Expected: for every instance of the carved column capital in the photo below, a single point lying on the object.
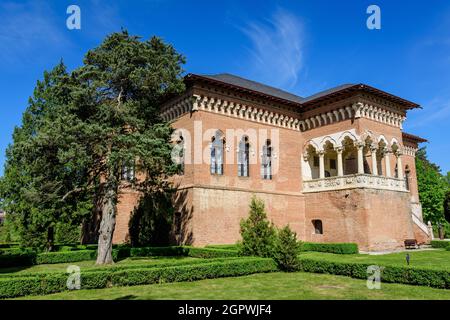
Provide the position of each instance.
(339, 149)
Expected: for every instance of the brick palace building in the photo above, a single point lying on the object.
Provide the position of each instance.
(335, 166)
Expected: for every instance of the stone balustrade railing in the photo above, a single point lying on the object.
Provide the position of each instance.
(354, 181)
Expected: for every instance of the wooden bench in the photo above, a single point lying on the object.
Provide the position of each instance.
(410, 244)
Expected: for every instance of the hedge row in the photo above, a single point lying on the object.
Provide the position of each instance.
(22, 259)
(440, 244)
(118, 267)
(392, 274)
(8, 245)
(204, 253)
(339, 248)
(15, 287)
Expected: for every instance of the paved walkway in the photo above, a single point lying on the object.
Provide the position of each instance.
(397, 251)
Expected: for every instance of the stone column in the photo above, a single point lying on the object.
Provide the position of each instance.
(430, 230)
(340, 166)
(388, 162)
(399, 165)
(360, 147)
(321, 164)
(373, 151)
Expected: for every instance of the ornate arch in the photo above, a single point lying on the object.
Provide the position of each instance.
(328, 139)
(347, 134)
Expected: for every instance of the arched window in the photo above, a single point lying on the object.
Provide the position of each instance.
(243, 157)
(407, 175)
(217, 147)
(128, 169)
(266, 165)
(180, 154)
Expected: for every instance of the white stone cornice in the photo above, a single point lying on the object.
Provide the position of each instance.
(191, 103)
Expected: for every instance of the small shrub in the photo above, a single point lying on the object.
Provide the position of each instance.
(257, 233)
(286, 250)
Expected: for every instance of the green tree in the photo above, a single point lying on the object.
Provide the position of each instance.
(432, 188)
(118, 93)
(85, 128)
(36, 177)
(285, 251)
(257, 233)
(447, 207)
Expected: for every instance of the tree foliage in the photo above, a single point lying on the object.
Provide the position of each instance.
(258, 234)
(433, 187)
(83, 128)
(286, 249)
(37, 175)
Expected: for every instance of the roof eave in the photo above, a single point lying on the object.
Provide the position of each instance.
(408, 105)
(193, 77)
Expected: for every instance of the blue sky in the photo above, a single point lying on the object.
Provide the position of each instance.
(300, 46)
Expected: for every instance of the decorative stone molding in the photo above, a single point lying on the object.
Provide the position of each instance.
(177, 108)
(410, 151)
(189, 103)
(355, 110)
(228, 108)
(354, 181)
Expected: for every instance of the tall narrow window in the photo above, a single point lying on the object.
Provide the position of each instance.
(407, 175)
(217, 147)
(266, 165)
(128, 171)
(243, 157)
(180, 149)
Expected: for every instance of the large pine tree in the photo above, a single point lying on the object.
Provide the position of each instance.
(107, 119)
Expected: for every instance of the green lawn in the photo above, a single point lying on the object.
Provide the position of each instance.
(259, 286)
(438, 259)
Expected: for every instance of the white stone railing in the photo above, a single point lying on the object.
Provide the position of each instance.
(354, 181)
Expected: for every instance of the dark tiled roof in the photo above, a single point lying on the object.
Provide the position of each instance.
(271, 92)
(414, 138)
(254, 86)
(327, 92)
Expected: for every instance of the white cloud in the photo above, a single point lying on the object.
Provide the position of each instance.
(27, 30)
(277, 49)
(435, 111)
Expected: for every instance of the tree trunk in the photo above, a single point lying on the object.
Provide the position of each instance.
(50, 238)
(91, 225)
(108, 223)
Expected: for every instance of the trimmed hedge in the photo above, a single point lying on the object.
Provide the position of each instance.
(39, 285)
(339, 248)
(234, 247)
(23, 259)
(158, 251)
(206, 253)
(194, 252)
(65, 257)
(440, 244)
(27, 258)
(393, 274)
(118, 267)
